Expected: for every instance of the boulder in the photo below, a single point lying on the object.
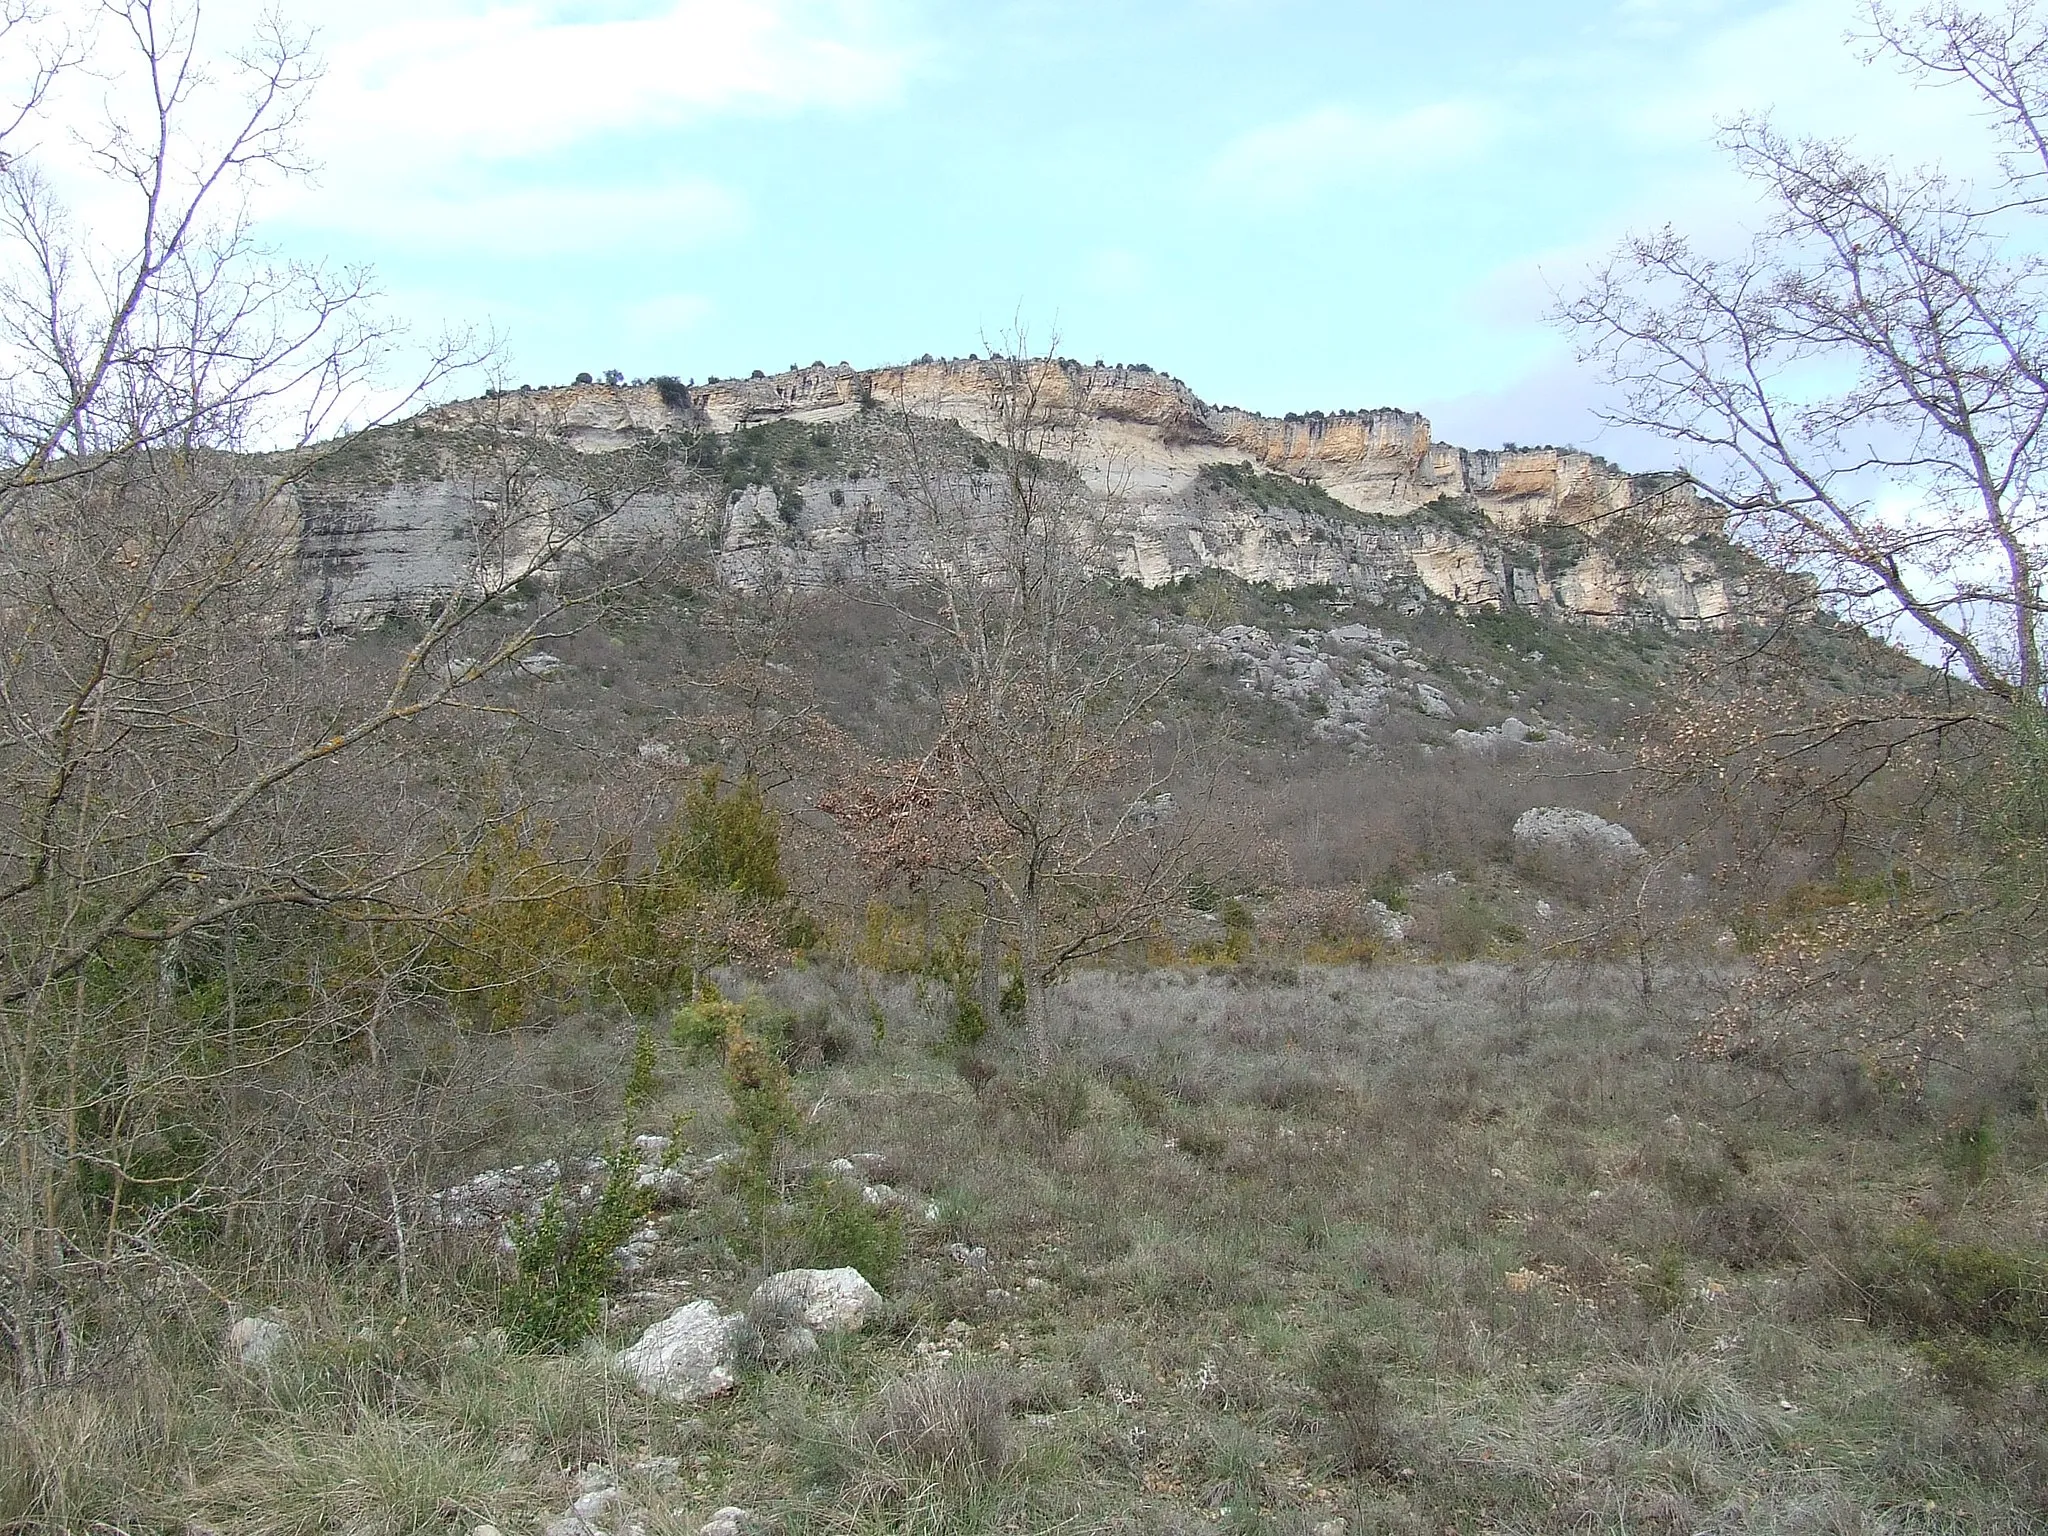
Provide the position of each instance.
(1434, 702)
(1563, 840)
(688, 1356)
(823, 1300)
(730, 1521)
(258, 1341)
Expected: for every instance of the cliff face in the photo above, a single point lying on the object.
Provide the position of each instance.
(1145, 433)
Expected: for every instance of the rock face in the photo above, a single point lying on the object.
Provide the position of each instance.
(407, 522)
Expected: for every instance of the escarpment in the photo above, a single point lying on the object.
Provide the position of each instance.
(773, 474)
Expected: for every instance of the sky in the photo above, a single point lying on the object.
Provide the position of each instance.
(1290, 204)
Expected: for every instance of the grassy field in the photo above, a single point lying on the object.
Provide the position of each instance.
(1296, 1250)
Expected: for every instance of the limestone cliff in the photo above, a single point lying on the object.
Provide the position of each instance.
(1369, 517)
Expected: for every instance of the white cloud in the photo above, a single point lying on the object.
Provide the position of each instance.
(530, 219)
(1337, 146)
(485, 127)
(1798, 63)
(518, 80)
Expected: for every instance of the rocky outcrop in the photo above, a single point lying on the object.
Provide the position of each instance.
(1559, 840)
(414, 522)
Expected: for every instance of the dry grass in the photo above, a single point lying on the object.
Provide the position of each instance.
(1412, 1247)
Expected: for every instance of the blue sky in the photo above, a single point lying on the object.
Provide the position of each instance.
(1291, 204)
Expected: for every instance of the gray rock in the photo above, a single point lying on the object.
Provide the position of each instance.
(823, 1300)
(1559, 836)
(258, 1341)
(688, 1356)
(730, 1521)
(1433, 701)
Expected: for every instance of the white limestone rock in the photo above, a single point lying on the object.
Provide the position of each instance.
(688, 1356)
(1433, 701)
(1561, 837)
(823, 1300)
(258, 1341)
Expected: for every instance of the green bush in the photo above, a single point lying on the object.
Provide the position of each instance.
(642, 1082)
(1050, 1105)
(701, 1028)
(565, 1260)
(970, 1024)
(1926, 1288)
(1661, 1287)
(831, 1224)
(1970, 1149)
(1353, 1397)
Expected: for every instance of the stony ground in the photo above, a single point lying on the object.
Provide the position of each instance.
(1302, 1250)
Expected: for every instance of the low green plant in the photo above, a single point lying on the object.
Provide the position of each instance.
(970, 1023)
(1466, 927)
(1926, 1288)
(701, 1027)
(1970, 1149)
(1050, 1104)
(642, 1082)
(1352, 1394)
(830, 1224)
(1661, 1287)
(1011, 1003)
(565, 1260)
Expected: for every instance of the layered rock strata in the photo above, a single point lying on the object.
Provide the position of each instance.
(372, 543)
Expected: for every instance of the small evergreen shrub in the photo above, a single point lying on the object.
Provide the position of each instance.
(565, 1260)
(1352, 1395)
(832, 1224)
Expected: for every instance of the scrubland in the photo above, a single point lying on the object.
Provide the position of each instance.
(1413, 1248)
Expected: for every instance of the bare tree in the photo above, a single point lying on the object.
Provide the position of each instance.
(1865, 387)
(181, 769)
(1043, 787)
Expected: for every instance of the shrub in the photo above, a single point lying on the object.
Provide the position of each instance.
(703, 1026)
(830, 1224)
(1925, 1288)
(1684, 1402)
(565, 1260)
(1970, 1149)
(1050, 1105)
(642, 1083)
(950, 1425)
(970, 1024)
(1661, 1286)
(803, 1038)
(1352, 1395)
